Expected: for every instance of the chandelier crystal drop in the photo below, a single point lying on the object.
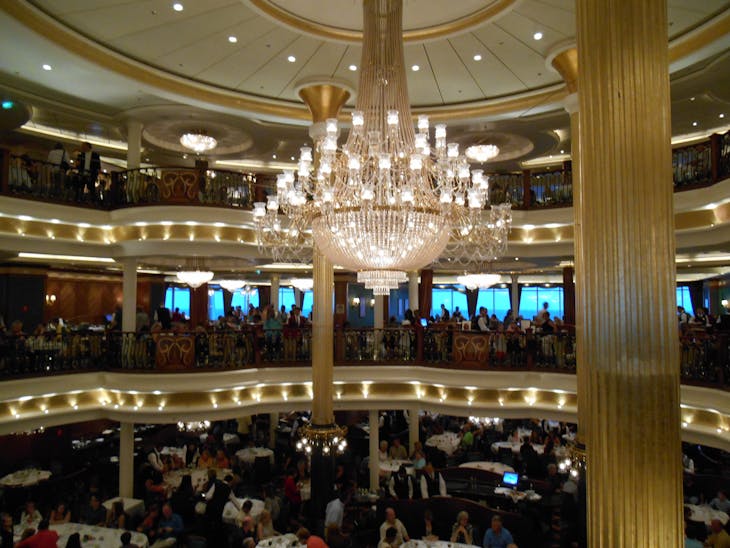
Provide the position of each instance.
(478, 281)
(389, 200)
(482, 153)
(194, 278)
(198, 141)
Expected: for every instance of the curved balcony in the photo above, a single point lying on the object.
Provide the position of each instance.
(694, 166)
(160, 376)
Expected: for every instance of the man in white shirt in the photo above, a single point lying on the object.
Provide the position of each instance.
(155, 459)
(483, 319)
(432, 482)
(392, 521)
(335, 511)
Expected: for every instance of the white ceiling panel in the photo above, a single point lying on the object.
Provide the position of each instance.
(455, 82)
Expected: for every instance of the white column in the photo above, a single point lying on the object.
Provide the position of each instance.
(126, 459)
(515, 290)
(129, 294)
(374, 450)
(275, 292)
(412, 427)
(378, 312)
(134, 144)
(413, 290)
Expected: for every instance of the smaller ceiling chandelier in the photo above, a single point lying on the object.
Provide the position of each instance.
(478, 281)
(302, 284)
(482, 153)
(381, 281)
(198, 141)
(485, 421)
(193, 426)
(194, 278)
(231, 285)
(327, 439)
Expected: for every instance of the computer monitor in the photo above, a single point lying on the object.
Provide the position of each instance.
(510, 478)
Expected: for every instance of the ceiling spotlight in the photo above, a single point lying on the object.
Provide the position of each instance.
(177, 6)
(232, 39)
(537, 35)
(47, 67)
(415, 68)
(273, 156)
(477, 57)
(291, 59)
(694, 124)
(721, 114)
(353, 68)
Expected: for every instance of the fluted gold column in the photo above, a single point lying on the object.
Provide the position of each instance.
(324, 101)
(628, 371)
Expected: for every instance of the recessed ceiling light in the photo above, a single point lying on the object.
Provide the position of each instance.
(537, 35)
(562, 151)
(273, 156)
(721, 114)
(47, 67)
(293, 158)
(177, 6)
(353, 68)
(232, 39)
(291, 59)
(477, 57)
(415, 68)
(691, 98)
(695, 124)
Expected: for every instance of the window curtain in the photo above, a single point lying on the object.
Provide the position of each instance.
(472, 296)
(264, 296)
(516, 306)
(695, 295)
(299, 297)
(424, 293)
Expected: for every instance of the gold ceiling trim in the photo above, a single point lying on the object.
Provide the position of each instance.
(713, 30)
(329, 32)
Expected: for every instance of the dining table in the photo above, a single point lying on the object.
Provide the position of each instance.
(25, 478)
(448, 442)
(199, 477)
(91, 536)
(248, 455)
(387, 467)
(133, 507)
(230, 510)
(289, 540)
(706, 513)
(413, 543)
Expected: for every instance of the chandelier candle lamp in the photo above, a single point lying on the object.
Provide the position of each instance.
(389, 199)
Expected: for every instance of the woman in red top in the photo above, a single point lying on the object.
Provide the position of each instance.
(292, 492)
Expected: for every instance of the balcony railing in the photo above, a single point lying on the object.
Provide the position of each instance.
(694, 166)
(703, 356)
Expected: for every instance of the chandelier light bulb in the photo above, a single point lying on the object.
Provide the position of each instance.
(358, 118)
(331, 126)
(423, 123)
(392, 118)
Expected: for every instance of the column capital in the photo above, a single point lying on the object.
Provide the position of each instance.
(324, 100)
(563, 59)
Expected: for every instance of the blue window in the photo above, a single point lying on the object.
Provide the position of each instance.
(215, 304)
(495, 300)
(450, 298)
(178, 297)
(308, 303)
(286, 297)
(246, 298)
(532, 298)
(684, 300)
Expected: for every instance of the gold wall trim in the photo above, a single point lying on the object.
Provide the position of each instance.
(416, 35)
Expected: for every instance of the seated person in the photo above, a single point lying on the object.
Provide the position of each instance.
(7, 532)
(60, 514)
(221, 460)
(419, 459)
(265, 528)
(397, 451)
(43, 538)
(389, 541)
(720, 502)
(391, 521)
(117, 518)
(309, 540)
(383, 453)
(718, 537)
(206, 460)
(428, 533)
(244, 512)
(95, 514)
(461, 531)
(30, 517)
(497, 536)
(169, 528)
(150, 522)
(126, 540)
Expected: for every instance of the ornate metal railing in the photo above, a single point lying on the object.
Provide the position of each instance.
(693, 166)
(704, 357)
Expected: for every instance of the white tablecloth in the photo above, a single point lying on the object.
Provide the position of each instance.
(282, 541)
(92, 537)
(496, 467)
(433, 544)
(179, 452)
(447, 442)
(517, 495)
(133, 507)
(515, 446)
(248, 455)
(25, 478)
(199, 477)
(387, 467)
(227, 438)
(705, 513)
(230, 511)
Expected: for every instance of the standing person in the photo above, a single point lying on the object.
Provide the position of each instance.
(59, 160)
(216, 496)
(88, 163)
(162, 315)
(432, 482)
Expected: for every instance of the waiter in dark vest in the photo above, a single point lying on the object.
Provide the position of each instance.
(400, 485)
(432, 482)
(216, 496)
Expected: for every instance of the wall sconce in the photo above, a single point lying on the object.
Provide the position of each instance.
(50, 300)
(355, 302)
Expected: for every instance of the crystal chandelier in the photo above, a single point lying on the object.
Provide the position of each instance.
(482, 153)
(231, 285)
(390, 198)
(483, 241)
(329, 439)
(480, 281)
(198, 141)
(193, 426)
(302, 284)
